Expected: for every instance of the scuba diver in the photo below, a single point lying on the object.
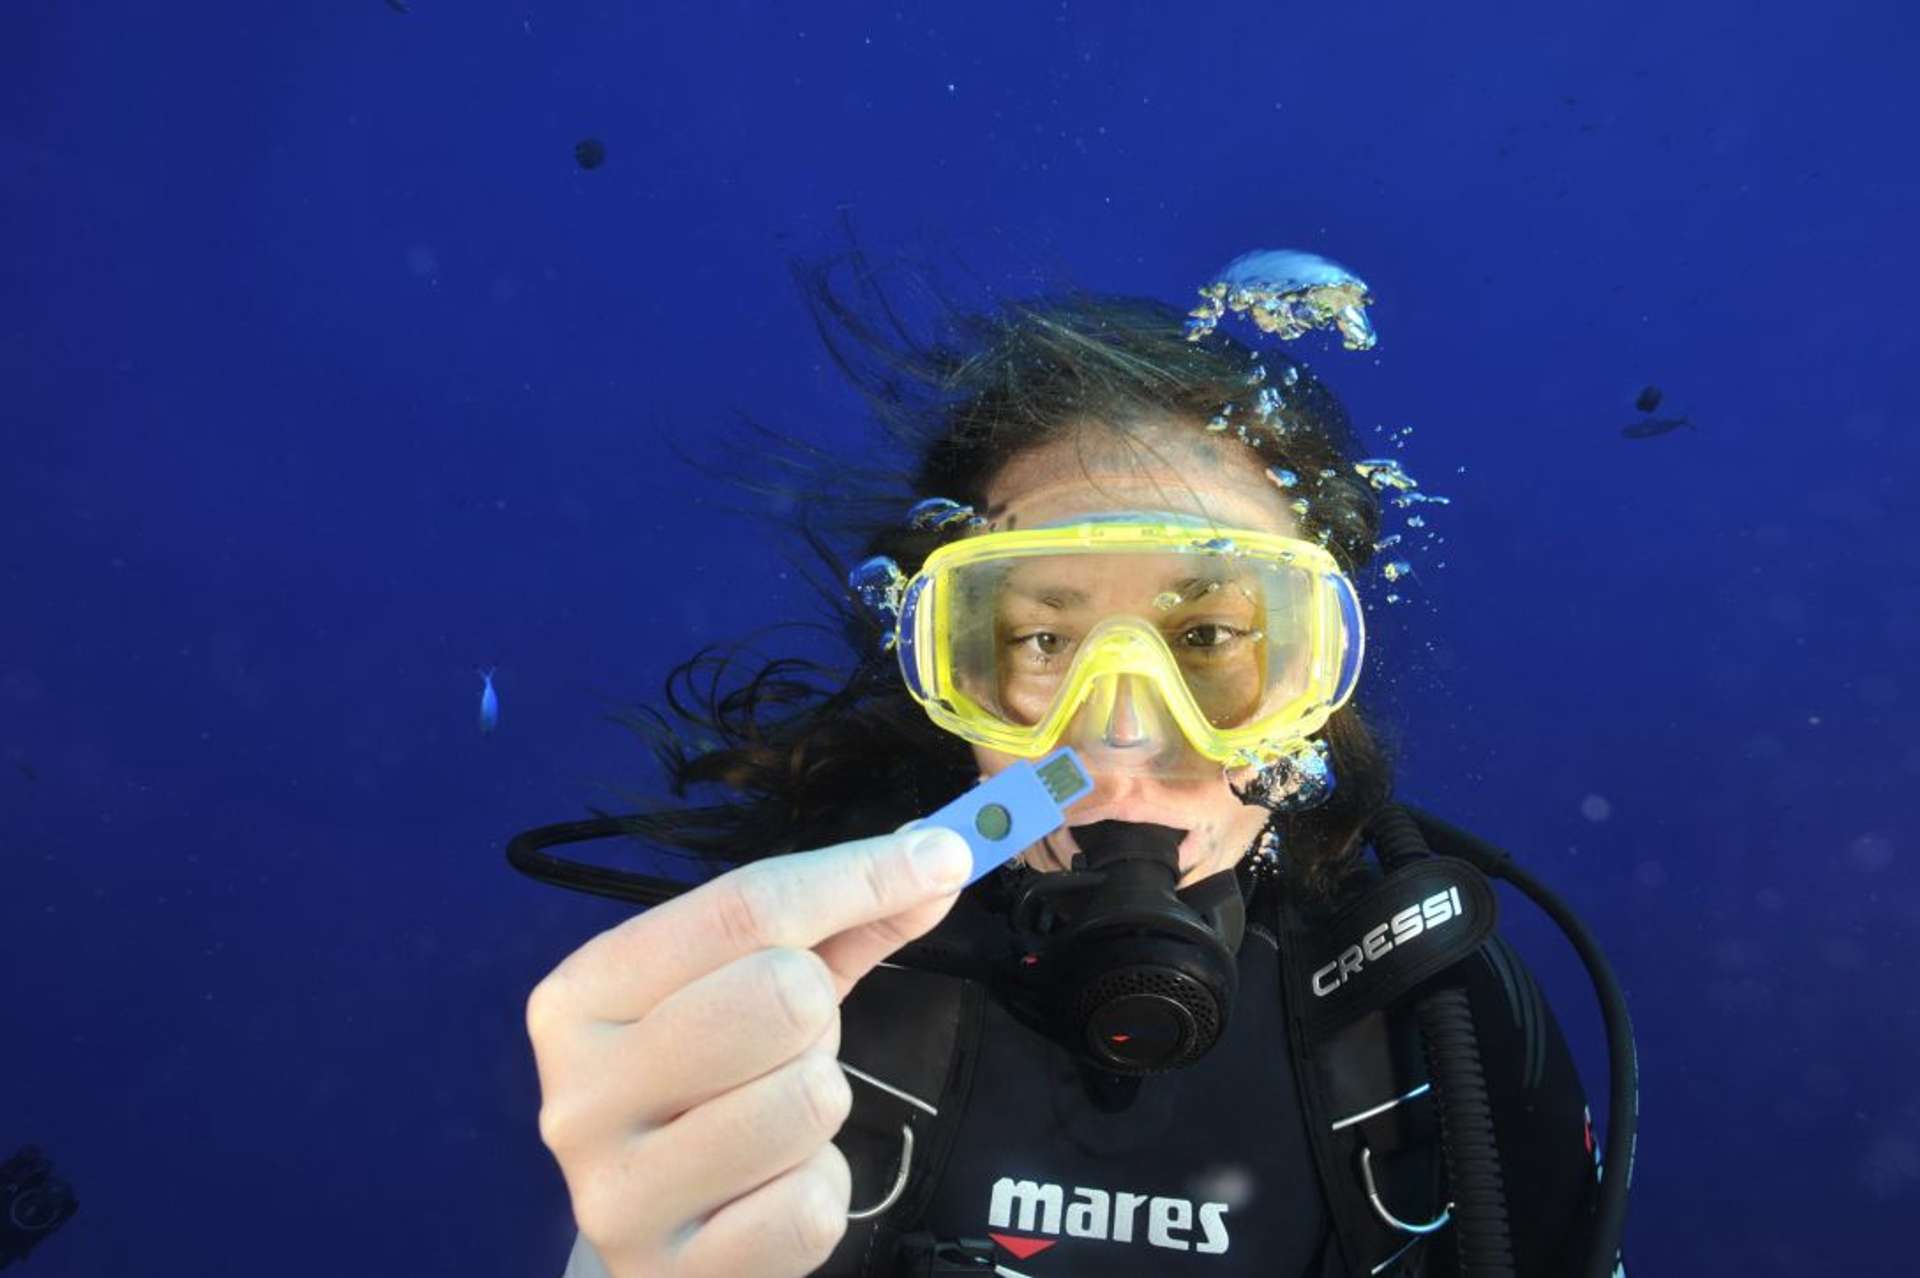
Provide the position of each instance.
(33, 1203)
(1234, 1010)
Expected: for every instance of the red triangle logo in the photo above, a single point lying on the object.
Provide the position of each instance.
(1023, 1247)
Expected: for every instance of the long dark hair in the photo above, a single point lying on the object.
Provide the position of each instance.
(813, 755)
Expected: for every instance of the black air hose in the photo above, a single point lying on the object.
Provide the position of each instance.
(1481, 1232)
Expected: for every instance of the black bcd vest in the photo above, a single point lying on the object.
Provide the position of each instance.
(1349, 977)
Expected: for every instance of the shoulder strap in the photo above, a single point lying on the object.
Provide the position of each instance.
(916, 1034)
(1363, 1093)
(1358, 1053)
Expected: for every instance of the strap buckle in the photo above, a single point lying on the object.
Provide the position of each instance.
(921, 1255)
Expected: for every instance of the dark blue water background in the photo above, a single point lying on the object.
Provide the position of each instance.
(327, 376)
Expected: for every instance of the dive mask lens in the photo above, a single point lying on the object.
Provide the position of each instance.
(1124, 632)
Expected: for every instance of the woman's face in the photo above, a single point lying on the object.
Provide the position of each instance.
(1160, 466)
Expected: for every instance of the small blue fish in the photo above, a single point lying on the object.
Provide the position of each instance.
(489, 702)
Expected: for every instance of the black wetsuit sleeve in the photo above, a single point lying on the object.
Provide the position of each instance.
(1541, 1118)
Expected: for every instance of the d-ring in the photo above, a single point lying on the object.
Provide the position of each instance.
(1380, 1208)
(899, 1181)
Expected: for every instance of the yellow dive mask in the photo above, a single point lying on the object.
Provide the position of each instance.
(1122, 634)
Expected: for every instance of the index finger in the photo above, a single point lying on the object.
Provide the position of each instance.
(797, 901)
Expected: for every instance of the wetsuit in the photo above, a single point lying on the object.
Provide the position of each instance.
(1055, 1170)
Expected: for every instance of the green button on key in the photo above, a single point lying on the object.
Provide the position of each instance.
(993, 821)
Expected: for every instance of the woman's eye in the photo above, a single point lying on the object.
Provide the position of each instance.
(1041, 643)
(1210, 635)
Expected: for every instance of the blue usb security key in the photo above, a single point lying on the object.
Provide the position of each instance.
(1020, 806)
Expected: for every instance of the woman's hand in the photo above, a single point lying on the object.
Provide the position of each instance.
(689, 1075)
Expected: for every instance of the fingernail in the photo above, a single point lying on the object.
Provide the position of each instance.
(941, 859)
